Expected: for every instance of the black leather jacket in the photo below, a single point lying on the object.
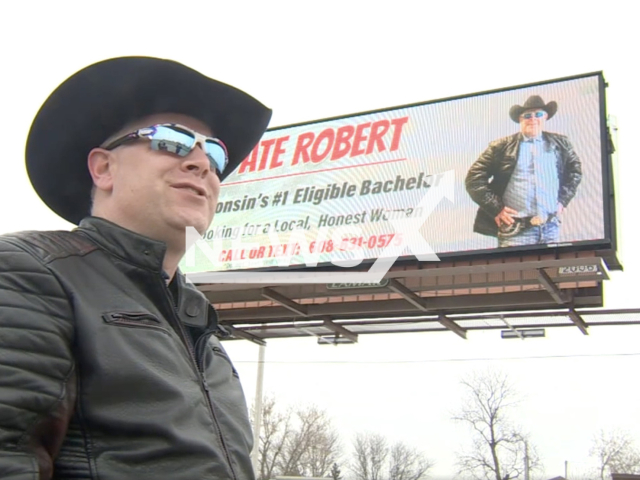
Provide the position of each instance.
(102, 376)
(488, 177)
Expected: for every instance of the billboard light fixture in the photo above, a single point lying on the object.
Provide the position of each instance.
(523, 333)
(334, 340)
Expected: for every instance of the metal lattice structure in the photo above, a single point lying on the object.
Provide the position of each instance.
(512, 294)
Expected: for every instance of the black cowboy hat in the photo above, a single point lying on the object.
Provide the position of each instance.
(100, 99)
(533, 101)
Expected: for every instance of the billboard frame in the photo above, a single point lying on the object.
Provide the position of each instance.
(606, 247)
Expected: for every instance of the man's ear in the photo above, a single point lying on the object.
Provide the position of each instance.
(100, 164)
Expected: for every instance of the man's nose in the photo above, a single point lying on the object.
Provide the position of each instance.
(197, 160)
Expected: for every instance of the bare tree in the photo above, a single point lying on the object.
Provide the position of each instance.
(616, 453)
(323, 454)
(406, 463)
(296, 442)
(499, 449)
(275, 429)
(314, 447)
(370, 454)
(373, 458)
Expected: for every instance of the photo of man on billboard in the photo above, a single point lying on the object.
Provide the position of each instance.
(523, 182)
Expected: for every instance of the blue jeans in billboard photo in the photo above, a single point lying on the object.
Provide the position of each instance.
(535, 235)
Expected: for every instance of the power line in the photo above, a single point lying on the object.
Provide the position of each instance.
(440, 360)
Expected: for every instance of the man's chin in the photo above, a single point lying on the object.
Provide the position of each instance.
(199, 225)
(200, 228)
(183, 219)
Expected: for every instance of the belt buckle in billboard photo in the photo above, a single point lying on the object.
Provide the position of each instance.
(536, 221)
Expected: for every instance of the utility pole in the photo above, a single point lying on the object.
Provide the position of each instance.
(257, 414)
(526, 460)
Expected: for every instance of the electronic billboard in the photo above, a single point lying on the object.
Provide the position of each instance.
(518, 169)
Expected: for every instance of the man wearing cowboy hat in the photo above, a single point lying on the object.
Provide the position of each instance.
(110, 362)
(523, 182)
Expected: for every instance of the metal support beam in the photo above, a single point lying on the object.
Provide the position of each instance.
(410, 296)
(421, 304)
(340, 330)
(453, 326)
(577, 319)
(308, 331)
(551, 287)
(236, 332)
(518, 333)
(284, 301)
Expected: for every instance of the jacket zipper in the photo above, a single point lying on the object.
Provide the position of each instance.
(202, 340)
(186, 338)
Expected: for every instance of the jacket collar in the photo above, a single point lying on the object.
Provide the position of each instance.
(147, 253)
(132, 247)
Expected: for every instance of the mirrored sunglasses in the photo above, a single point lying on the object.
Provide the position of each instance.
(538, 114)
(179, 140)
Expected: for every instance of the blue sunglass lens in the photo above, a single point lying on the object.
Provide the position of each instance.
(175, 141)
(537, 115)
(217, 156)
(172, 141)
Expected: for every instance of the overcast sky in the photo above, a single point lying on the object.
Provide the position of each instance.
(312, 60)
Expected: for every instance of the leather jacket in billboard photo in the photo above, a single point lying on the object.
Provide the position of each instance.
(488, 177)
(107, 372)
